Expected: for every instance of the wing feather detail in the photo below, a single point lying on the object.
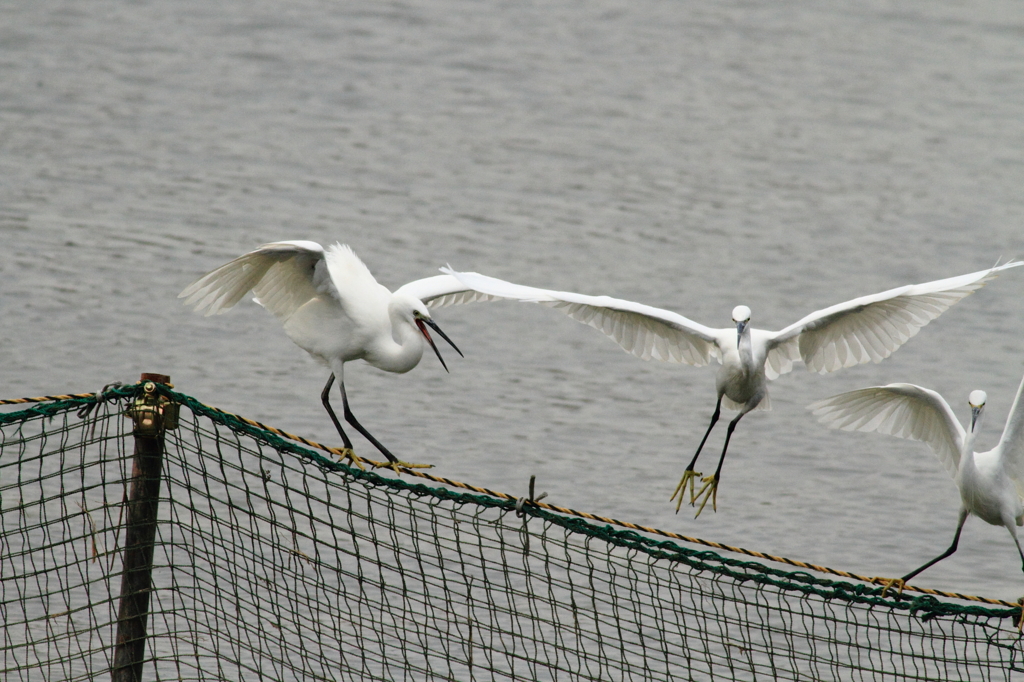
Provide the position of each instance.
(871, 328)
(644, 331)
(281, 274)
(441, 291)
(1011, 443)
(901, 410)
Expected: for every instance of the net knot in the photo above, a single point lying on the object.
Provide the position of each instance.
(521, 502)
(87, 409)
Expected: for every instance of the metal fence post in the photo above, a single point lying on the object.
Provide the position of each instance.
(152, 415)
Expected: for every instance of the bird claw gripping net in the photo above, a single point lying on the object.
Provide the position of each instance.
(272, 561)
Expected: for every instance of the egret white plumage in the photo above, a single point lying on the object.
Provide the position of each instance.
(334, 309)
(843, 335)
(991, 483)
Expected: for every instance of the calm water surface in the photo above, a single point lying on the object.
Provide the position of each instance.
(690, 156)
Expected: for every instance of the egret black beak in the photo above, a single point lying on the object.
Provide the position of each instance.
(740, 326)
(420, 322)
(975, 411)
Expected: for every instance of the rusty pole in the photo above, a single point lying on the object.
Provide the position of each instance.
(152, 415)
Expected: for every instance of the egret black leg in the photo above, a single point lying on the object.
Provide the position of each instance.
(325, 399)
(1019, 550)
(714, 420)
(689, 474)
(351, 419)
(710, 488)
(1013, 533)
(728, 436)
(952, 548)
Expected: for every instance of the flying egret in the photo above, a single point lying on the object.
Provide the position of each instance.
(334, 309)
(847, 334)
(991, 483)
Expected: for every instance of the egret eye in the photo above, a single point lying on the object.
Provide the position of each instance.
(741, 313)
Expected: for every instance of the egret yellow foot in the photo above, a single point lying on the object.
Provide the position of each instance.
(890, 583)
(350, 455)
(396, 466)
(688, 477)
(708, 491)
(1020, 623)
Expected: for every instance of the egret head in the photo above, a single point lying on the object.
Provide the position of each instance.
(741, 316)
(422, 320)
(977, 402)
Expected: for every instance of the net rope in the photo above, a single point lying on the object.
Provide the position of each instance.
(275, 562)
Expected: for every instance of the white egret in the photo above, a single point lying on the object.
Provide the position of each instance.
(334, 309)
(991, 483)
(843, 335)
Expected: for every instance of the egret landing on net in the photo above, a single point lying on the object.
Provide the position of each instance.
(991, 483)
(847, 334)
(333, 308)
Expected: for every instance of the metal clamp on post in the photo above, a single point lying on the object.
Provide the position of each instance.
(152, 412)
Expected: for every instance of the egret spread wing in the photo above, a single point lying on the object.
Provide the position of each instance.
(901, 410)
(1011, 444)
(441, 291)
(780, 357)
(644, 331)
(282, 274)
(872, 327)
(353, 286)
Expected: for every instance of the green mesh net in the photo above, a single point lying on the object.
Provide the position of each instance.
(273, 562)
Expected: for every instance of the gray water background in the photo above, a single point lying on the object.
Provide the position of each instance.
(692, 156)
